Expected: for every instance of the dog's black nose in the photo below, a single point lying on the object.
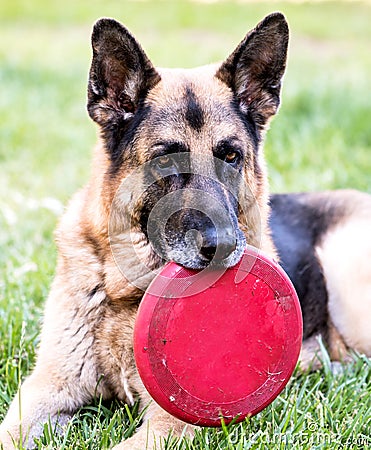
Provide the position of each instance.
(218, 246)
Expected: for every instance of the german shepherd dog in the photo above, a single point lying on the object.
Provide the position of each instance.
(179, 175)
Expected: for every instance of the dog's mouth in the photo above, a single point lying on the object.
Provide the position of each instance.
(197, 238)
(198, 250)
(198, 260)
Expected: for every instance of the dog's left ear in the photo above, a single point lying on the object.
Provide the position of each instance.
(120, 76)
(254, 70)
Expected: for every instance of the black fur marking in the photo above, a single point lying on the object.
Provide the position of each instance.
(81, 368)
(249, 125)
(167, 148)
(83, 359)
(157, 190)
(117, 143)
(78, 330)
(80, 341)
(194, 114)
(297, 226)
(253, 132)
(95, 290)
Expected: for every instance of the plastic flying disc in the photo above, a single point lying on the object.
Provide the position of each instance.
(218, 345)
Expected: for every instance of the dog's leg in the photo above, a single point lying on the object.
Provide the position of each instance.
(65, 376)
(310, 354)
(344, 255)
(312, 357)
(156, 427)
(39, 401)
(157, 424)
(115, 335)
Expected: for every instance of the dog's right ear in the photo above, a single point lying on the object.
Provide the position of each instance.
(254, 70)
(120, 75)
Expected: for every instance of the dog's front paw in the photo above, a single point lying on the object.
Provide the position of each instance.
(142, 440)
(148, 438)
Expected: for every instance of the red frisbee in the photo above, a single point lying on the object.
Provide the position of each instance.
(218, 345)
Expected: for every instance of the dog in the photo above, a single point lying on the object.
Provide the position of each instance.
(179, 175)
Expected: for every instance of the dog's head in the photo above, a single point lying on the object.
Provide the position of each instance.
(185, 174)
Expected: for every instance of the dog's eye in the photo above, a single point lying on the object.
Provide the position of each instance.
(163, 162)
(231, 157)
(165, 165)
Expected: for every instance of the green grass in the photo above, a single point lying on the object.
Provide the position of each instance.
(321, 140)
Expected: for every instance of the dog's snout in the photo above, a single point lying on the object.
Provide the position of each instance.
(217, 245)
(208, 249)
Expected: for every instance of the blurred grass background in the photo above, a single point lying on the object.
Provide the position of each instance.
(320, 140)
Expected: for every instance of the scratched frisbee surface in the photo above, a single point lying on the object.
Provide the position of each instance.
(226, 350)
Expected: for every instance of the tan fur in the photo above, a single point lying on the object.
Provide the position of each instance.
(344, 253)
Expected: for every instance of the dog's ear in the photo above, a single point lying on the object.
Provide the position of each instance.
(120, 75)
(254, 70)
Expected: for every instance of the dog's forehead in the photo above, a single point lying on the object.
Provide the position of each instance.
(193, 98)
(202, 79)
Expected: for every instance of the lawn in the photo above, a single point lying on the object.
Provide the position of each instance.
(320, 140)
